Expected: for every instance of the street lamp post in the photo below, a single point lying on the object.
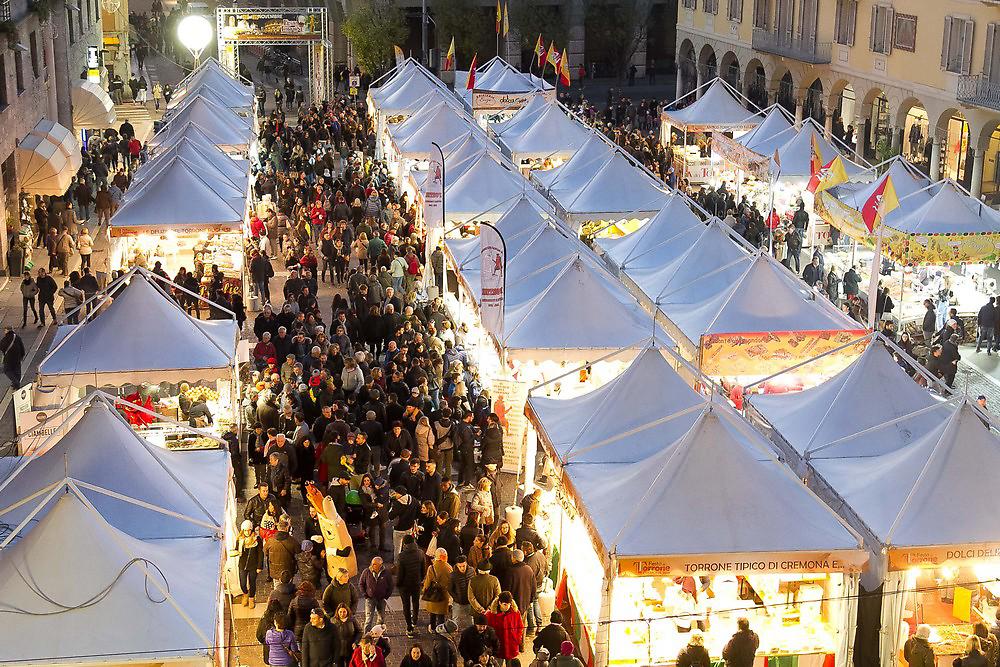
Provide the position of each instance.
(195, 32)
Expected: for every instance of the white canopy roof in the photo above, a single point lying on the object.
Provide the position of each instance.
(92, 107)
(162, 603)
(880, 398)
(949, 210)
(738, 308)
(232, 101)
(719, 108)
(104, 454)
(796, 153)
(212, 76)
(418, 87)
(400, 75)
(223, 126)
(524, 117)
(443, 125)
(520, 221)
(647, 436)
(143, 335)
(499, 76)
(618, 188)
(580, 308)
(550, 133)
(764, 138)
(676, 217)
(484, 186)
(202, 153)
(207, 201)
(914, 495)
(691, 267)
(61, 137)
(579, 169)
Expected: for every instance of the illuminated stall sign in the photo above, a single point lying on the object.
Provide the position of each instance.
(271, 26)
(485, 100)
(742, 564)
(941, 556)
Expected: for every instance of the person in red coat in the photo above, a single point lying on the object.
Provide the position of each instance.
(505, 619)
(367, 654)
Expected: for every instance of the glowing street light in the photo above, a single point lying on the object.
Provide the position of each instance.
(195, 32)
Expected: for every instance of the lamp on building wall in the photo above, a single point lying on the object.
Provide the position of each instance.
(195, 32)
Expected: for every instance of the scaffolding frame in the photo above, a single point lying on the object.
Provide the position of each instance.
(320, 49)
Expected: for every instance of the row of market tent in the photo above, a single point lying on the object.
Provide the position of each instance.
(118, 545)
(707, 495)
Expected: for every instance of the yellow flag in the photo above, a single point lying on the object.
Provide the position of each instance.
(400, 56)
(831, 174)
(499, 17)
(506, 23)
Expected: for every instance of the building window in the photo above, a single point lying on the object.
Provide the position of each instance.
(33, 45)
(845, 22)
(904, 32)
(762, 14)
(69, 22)
(711, 6)
(5, 10)
(736, 10)
(3, 82)
(880, 38)
(690, 4)
(79, 16)
(19, 70)
(991, 62)
(956, 48)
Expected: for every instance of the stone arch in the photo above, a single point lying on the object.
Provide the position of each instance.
(687, 66)
(729, 69)
(707, 63)
(952, 126)
(904, 108)
(755, 82)
(985, 134)
(813, 101)
(835, 90)
(785, 90)
(913, 127)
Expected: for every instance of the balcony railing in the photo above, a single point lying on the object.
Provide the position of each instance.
(977, 90)
(805, 50)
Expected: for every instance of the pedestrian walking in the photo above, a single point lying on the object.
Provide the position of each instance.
(29, 294)
(12, 349)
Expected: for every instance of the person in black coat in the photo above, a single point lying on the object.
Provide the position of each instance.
(445, 651)
(12, 349)
(694, 654)
(742, 646)
(987, 322)
(409, 579)
(552, 635)
(319, 641)
(479, 638)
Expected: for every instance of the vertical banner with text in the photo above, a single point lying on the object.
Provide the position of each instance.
(509, 397)
(493, 267)
(433, 213)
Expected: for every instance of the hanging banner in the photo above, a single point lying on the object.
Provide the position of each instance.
(510, 397)
(493, 269)
(434, 195)
(742, 563)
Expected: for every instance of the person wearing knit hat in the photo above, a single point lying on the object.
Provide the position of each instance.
(251, 559)
(445, 651)
(566, 657)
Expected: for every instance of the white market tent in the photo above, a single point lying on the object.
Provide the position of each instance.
(420, 88)
(949, 210)
(484, 189)
(790, 305)
(165, 164)
(161, 604)
(762, 139)
(206, 202)
(392, 80)
(114, 466)
(647, 435)
(549, 134)
(48, 158)
(576, 171)
(441, 125)
(720, 108)
(222, 126)
(676, 217)
(212, 76)
(517, 225)
(143, 335)
(615, 190)
(796, 153)
(192, 150)
(910, 183)
(499, 76)
(523, 118)
(812, 421)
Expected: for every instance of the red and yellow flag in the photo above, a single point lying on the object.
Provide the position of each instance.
(506, 21)
(882, 201)
(564, 69)
(552, 55)
(449, 59)
(499, 17)
(471, 83)
(815, 157)
(540, 51)
(831, 174)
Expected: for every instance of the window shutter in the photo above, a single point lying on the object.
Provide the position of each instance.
(837, 22)
(871, 34)
(970, 26)
(988, 59)
(852, 21)
(890, 28)
(945, 42)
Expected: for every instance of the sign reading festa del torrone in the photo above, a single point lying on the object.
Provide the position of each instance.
(483, 100)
